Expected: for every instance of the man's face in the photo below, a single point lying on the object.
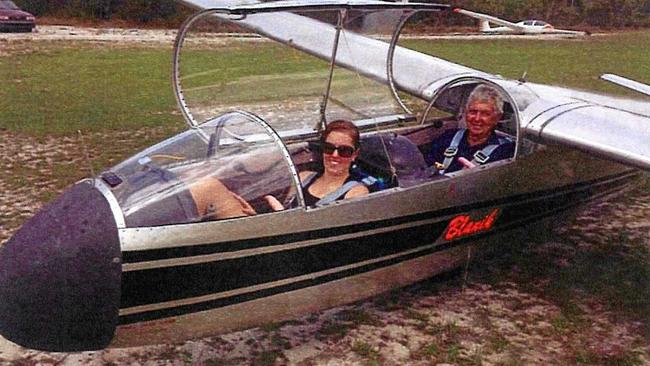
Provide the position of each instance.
(481, 117)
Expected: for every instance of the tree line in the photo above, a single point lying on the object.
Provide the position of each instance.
(598, 13)
(140, 11)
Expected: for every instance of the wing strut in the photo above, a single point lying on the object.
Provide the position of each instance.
(337, 36)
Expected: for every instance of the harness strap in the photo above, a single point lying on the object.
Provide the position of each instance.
(310, 178)
(482, 156)
(369, 180)
(452, 150)
(339, 192)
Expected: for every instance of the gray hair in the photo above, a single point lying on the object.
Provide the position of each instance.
(487, 93)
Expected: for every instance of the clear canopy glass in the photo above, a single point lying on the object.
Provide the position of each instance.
(296, 70)
(223, 169)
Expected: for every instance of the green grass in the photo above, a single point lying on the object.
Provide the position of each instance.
(358, 317)
(611, 268)
(431, 350)
(497, 342)
(271, 327)
(334, 330)
(410, 313)
(629, 358)
(364, 349)
(250, 72)
(266, 358)
(576, 63)
(59, 88)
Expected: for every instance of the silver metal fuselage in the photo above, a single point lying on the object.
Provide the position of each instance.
(378, 224)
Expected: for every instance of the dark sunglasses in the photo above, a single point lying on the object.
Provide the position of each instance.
(344, 150)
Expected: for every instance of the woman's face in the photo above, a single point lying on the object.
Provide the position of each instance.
(335, 163)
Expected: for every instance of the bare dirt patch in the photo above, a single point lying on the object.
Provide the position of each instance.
(75, 33)
(44, 35)
(39, 168)
(156, 37)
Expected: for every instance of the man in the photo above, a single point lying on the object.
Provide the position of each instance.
(478, 143)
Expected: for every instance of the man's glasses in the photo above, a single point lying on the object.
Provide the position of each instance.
(344, 150)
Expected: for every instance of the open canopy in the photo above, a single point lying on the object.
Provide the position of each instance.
(296, 64)
(256, 83)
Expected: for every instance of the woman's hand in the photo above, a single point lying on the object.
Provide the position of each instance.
(274, 203)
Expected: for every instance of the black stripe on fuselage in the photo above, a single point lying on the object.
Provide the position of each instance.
(129, 257)
(546, 206)
(213, 304)
(171, 283)
(236, 245)
(175, 283)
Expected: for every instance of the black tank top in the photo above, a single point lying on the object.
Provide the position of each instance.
(310, 199)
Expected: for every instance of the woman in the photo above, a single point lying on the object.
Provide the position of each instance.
(340, 147)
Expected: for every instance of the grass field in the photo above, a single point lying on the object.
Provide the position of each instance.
(59, 88)
(573, 63)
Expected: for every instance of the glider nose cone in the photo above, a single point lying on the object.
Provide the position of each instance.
(60, 275)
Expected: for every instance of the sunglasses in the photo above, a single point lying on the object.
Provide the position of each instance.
(344, 150)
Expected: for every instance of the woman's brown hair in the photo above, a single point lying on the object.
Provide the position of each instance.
(343, 126)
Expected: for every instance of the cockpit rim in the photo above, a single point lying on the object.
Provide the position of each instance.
(474, 79)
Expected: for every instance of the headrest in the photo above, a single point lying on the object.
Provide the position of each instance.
(407, 160)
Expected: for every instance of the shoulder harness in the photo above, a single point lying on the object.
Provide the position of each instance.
(339, 192)
(480, 157)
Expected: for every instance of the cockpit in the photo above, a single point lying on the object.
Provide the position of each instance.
(256, 96)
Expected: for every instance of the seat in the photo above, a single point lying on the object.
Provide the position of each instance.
(406, 166)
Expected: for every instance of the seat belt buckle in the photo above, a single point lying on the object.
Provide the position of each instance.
(369, 180)
(451, 151)
(481, 157)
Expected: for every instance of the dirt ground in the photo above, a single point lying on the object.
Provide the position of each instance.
(74, 33)
(495, 318)
(497, 313)
(144, 36)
